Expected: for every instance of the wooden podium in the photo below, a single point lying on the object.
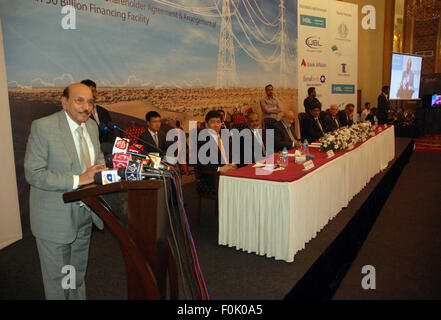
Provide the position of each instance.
(139, 219)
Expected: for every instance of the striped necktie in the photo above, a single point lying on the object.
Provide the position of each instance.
(84, 149)
(221, 148)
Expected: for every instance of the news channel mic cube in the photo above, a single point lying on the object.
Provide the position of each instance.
(120, 160)
(110, 176)
(120, 146)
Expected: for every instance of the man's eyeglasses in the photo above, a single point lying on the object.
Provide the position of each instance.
(82, 101)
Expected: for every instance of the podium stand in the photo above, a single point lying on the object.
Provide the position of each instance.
(143, 233)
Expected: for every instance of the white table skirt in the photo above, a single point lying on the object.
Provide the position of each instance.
(277, 219)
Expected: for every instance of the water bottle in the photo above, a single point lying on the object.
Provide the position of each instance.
(305, 147)
(284, 157)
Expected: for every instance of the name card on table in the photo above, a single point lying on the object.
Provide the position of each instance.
(330, 153)
(380, 129)
(351, 146)
(308, 165)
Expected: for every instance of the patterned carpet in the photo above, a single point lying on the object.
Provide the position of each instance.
(428, 143)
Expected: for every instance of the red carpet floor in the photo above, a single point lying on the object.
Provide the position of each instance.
(428, 143)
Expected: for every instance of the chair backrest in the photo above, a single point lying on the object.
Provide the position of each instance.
(302, 116)
(135, 131)
(239, 126)
(268, 123)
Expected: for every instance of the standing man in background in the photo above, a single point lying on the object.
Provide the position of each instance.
(99, 114)
(311, 101)
(269, 105)
(62, 154)
(383, 105)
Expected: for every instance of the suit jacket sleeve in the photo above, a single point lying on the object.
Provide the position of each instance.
(36, 165)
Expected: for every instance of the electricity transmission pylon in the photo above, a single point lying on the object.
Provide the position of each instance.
(226, 65)
(283, 76)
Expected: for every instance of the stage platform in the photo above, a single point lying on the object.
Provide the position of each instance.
(230, 274)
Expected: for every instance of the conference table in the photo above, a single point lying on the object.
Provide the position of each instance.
(276, 214)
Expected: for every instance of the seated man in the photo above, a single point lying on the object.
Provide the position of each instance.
(284, 132)
(372, 117)
(211, 165)
(365, 112)
(313, 126)
(153, 139)
(252, 141)
(346, 115)
(330, 119)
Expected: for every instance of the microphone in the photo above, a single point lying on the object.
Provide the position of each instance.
(106, 127)
(137, 171)
(106, 177)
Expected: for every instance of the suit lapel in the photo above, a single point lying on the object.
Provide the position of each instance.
(66, 136)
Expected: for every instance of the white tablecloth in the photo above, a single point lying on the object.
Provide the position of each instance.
(277, 219)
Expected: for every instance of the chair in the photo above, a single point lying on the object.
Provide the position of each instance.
(134, 130)
(302, 116)
(239, 126)
(206, 191)
(268, 123)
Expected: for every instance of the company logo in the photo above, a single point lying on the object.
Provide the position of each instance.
(313, 64)
(335, 50)
(313, 42)
(108, 178)
(312, 21)
(343, 88)
(121, 144)
(316, 79)
(343, 30)
(343, 67)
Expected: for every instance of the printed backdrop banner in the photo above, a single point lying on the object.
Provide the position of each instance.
(327, 51)
(180, 58)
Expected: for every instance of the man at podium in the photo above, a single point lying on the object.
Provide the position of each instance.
(63, 153)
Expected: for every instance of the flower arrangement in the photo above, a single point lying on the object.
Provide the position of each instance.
(402, 118)
(345, 137)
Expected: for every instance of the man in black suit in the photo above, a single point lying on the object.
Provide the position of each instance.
(311, 100)
(330, 119)
(284, 132)
(100, 115)
(220, 162)
(346, 116)
(252, 141)
(155, 139)
(383, 105)
(225, 124)
(313, 126)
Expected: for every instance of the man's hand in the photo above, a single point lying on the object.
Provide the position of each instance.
(297, 143)
(227, 168)
(87, 177)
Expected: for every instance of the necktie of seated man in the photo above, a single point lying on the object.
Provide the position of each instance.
(155, 137)
(221, 148)
(319, 124)
(84, 149)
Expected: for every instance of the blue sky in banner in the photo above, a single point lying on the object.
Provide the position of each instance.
(166, 51)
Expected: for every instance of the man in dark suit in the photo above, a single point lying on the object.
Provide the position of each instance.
(383, 105)
(100, 114)
(346, 116)
(155, 139)
(284, 132)
(220, 161)
(330, 119)
(225, 124)
(313, 126)
(63, 153)
(311, 100)
(252, 141)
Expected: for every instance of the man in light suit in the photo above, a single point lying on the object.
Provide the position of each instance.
(284, 132)
(63, 153)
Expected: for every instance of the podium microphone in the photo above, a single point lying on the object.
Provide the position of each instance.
(107, 126)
